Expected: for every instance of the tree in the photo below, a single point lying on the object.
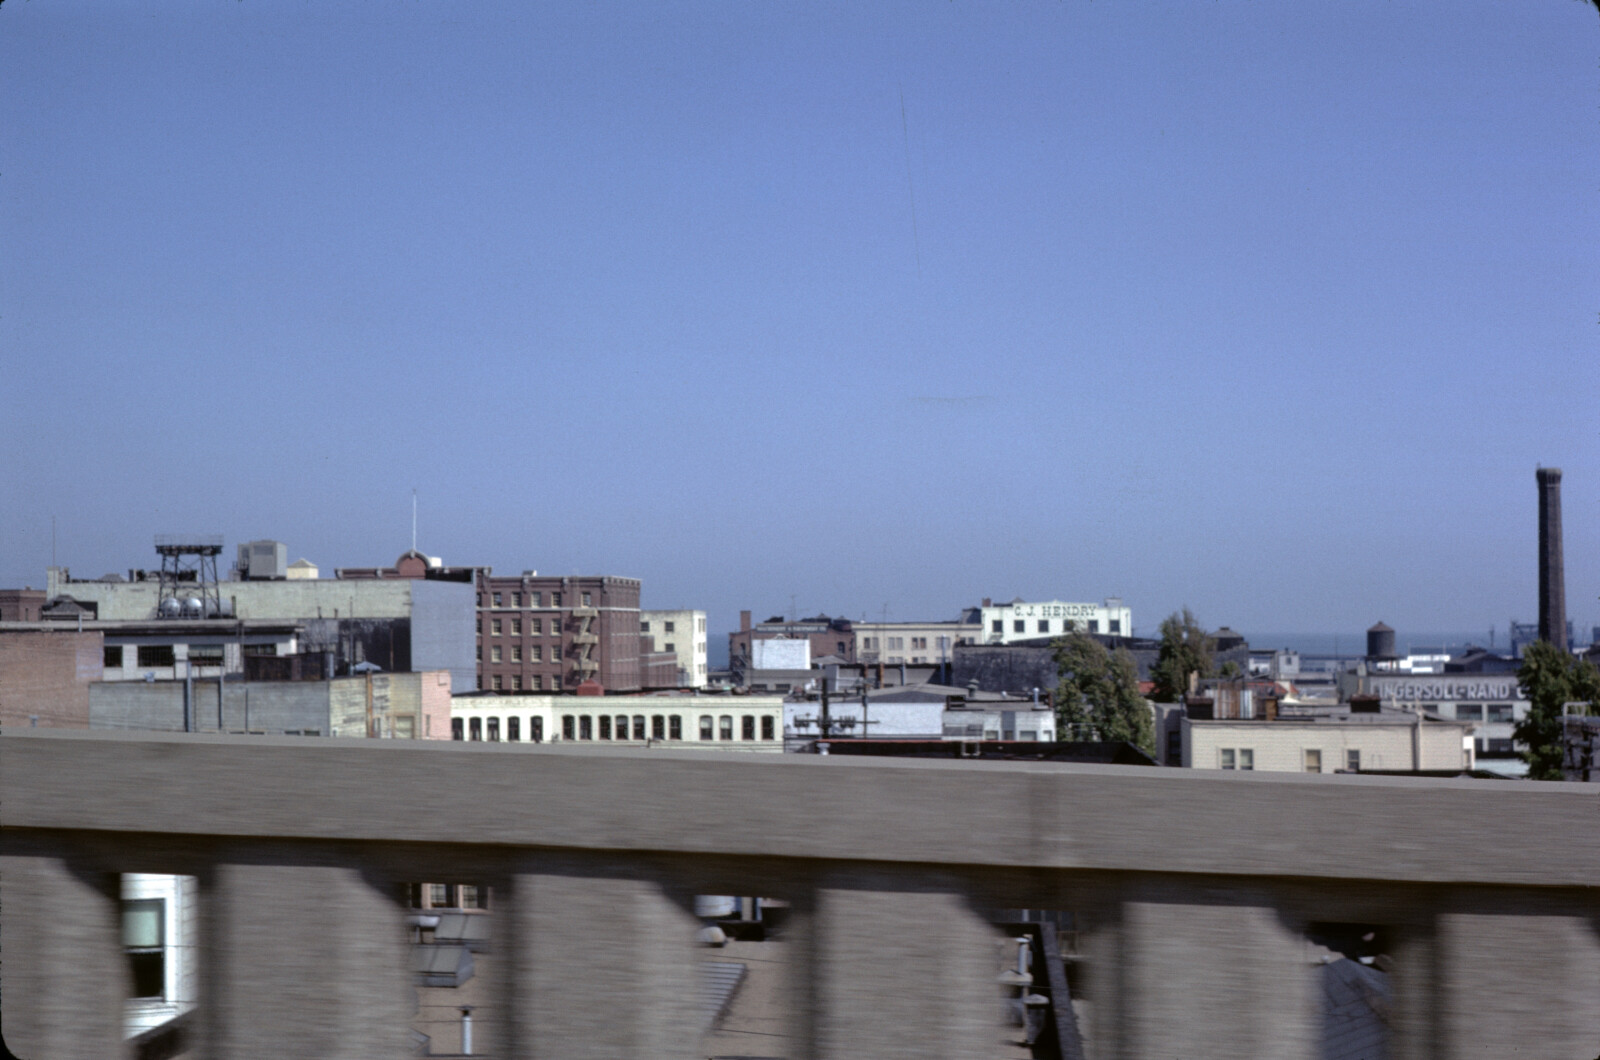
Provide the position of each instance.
(1185, 649)
(1550, 679)
(1099, 691)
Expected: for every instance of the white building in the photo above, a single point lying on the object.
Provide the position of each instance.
(1007, 623)
(684, 634)
(915, 643)
(781, 653)
(713, 723)
(161, 936)
(1328, 741)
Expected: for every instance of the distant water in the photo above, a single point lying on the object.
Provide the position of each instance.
(1355, 644)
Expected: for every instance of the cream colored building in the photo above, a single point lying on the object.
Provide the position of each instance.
(713, 723)
(913, 643)
(684, 634)
(1018, 620)
(1329, 741)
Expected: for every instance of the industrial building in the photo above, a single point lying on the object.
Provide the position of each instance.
(718, 723)
(1019, 620)
(680, 633)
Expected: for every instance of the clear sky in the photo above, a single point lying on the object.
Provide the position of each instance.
(1266, 309)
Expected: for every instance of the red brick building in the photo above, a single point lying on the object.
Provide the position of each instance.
(45, 676)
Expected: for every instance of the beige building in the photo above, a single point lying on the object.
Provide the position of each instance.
(1328, 741)
(932, 643)
(715, 723)
(684, 634)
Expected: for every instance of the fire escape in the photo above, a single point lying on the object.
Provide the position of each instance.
(585, 641)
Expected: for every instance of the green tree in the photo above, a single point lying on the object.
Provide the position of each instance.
(1550, 679)
(1185, 649)
(1099, 691)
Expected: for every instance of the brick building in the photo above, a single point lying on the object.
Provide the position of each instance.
(826, 637)
(21, 605)
(45, 675)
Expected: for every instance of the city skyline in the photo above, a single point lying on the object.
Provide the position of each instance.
(1269, 313)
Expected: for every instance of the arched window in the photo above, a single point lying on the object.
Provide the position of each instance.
(455, 729)
(475, 728)
(725, 727)
(675, 727)
(638, 727)
(622, 726)
(747, 727)
(513, 729)
(658, 727)
(494, 729)
(536, 730)
(568, 724)
(584, 731)
(707, 727)
(605, 727)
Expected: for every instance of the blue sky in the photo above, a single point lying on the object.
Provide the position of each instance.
(1270, 310)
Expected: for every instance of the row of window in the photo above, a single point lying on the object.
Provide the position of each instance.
(535, 653)
(496, 626)
(1020, 625)
(620, 727)
(446, 895)
(1245, 758)
(1475, 712)
(899, 643)
(536, 683)
(534, 599)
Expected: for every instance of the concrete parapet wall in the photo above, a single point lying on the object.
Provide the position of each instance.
(1193, 892)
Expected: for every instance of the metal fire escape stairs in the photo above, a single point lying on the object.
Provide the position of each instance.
(586, 640)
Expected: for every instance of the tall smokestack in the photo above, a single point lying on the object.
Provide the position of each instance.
(1552, 569)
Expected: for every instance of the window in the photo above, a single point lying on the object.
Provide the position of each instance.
(897, 644)
(536, 626)
(1469, 711)
(516, 682)
(475, 728)
(998, 626)
(671, 646)
(644, 627)
(1247, 758)
(1044, 625)
(474, 897)
(725, 727)
(1227, 758)
(638, 727)
(944, 643)
(498, 683)
(567, 727)
(155, 655)
(513, 730)
(439, 895)
(707, 727)
(533, 600)
(537, 682)
(480, 653)
(702, 624)
(869, 643)
(555, 680)
(516, 599)
(1019, 626)
(536, 652)
(536, 730)
(494, 653)
(1094, 625)
(494, 730)
(455, 729)
(1352, 760)
(494, 627)
(622, 726)
(747, 727)
(1500, 712)
(497, 599)
(555, 599)
(675, 727)
(605, 727)
(658, 727)
(555, 627)
(144, 937)
(584, 731)
(1313, 760)
(516, 653)
(113, 657)
(919, 643)
(1114, 625)
(766, 727)
(516, 627)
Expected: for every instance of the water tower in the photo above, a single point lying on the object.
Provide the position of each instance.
(189, 586)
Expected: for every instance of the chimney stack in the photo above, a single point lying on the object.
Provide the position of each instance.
(1552, 571)
(744, 621)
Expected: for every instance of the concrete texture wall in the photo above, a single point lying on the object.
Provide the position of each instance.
(46, 674)
(444, 630)
(1192, 889)
(261, 706)
(299, 598)
(1280, 746)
